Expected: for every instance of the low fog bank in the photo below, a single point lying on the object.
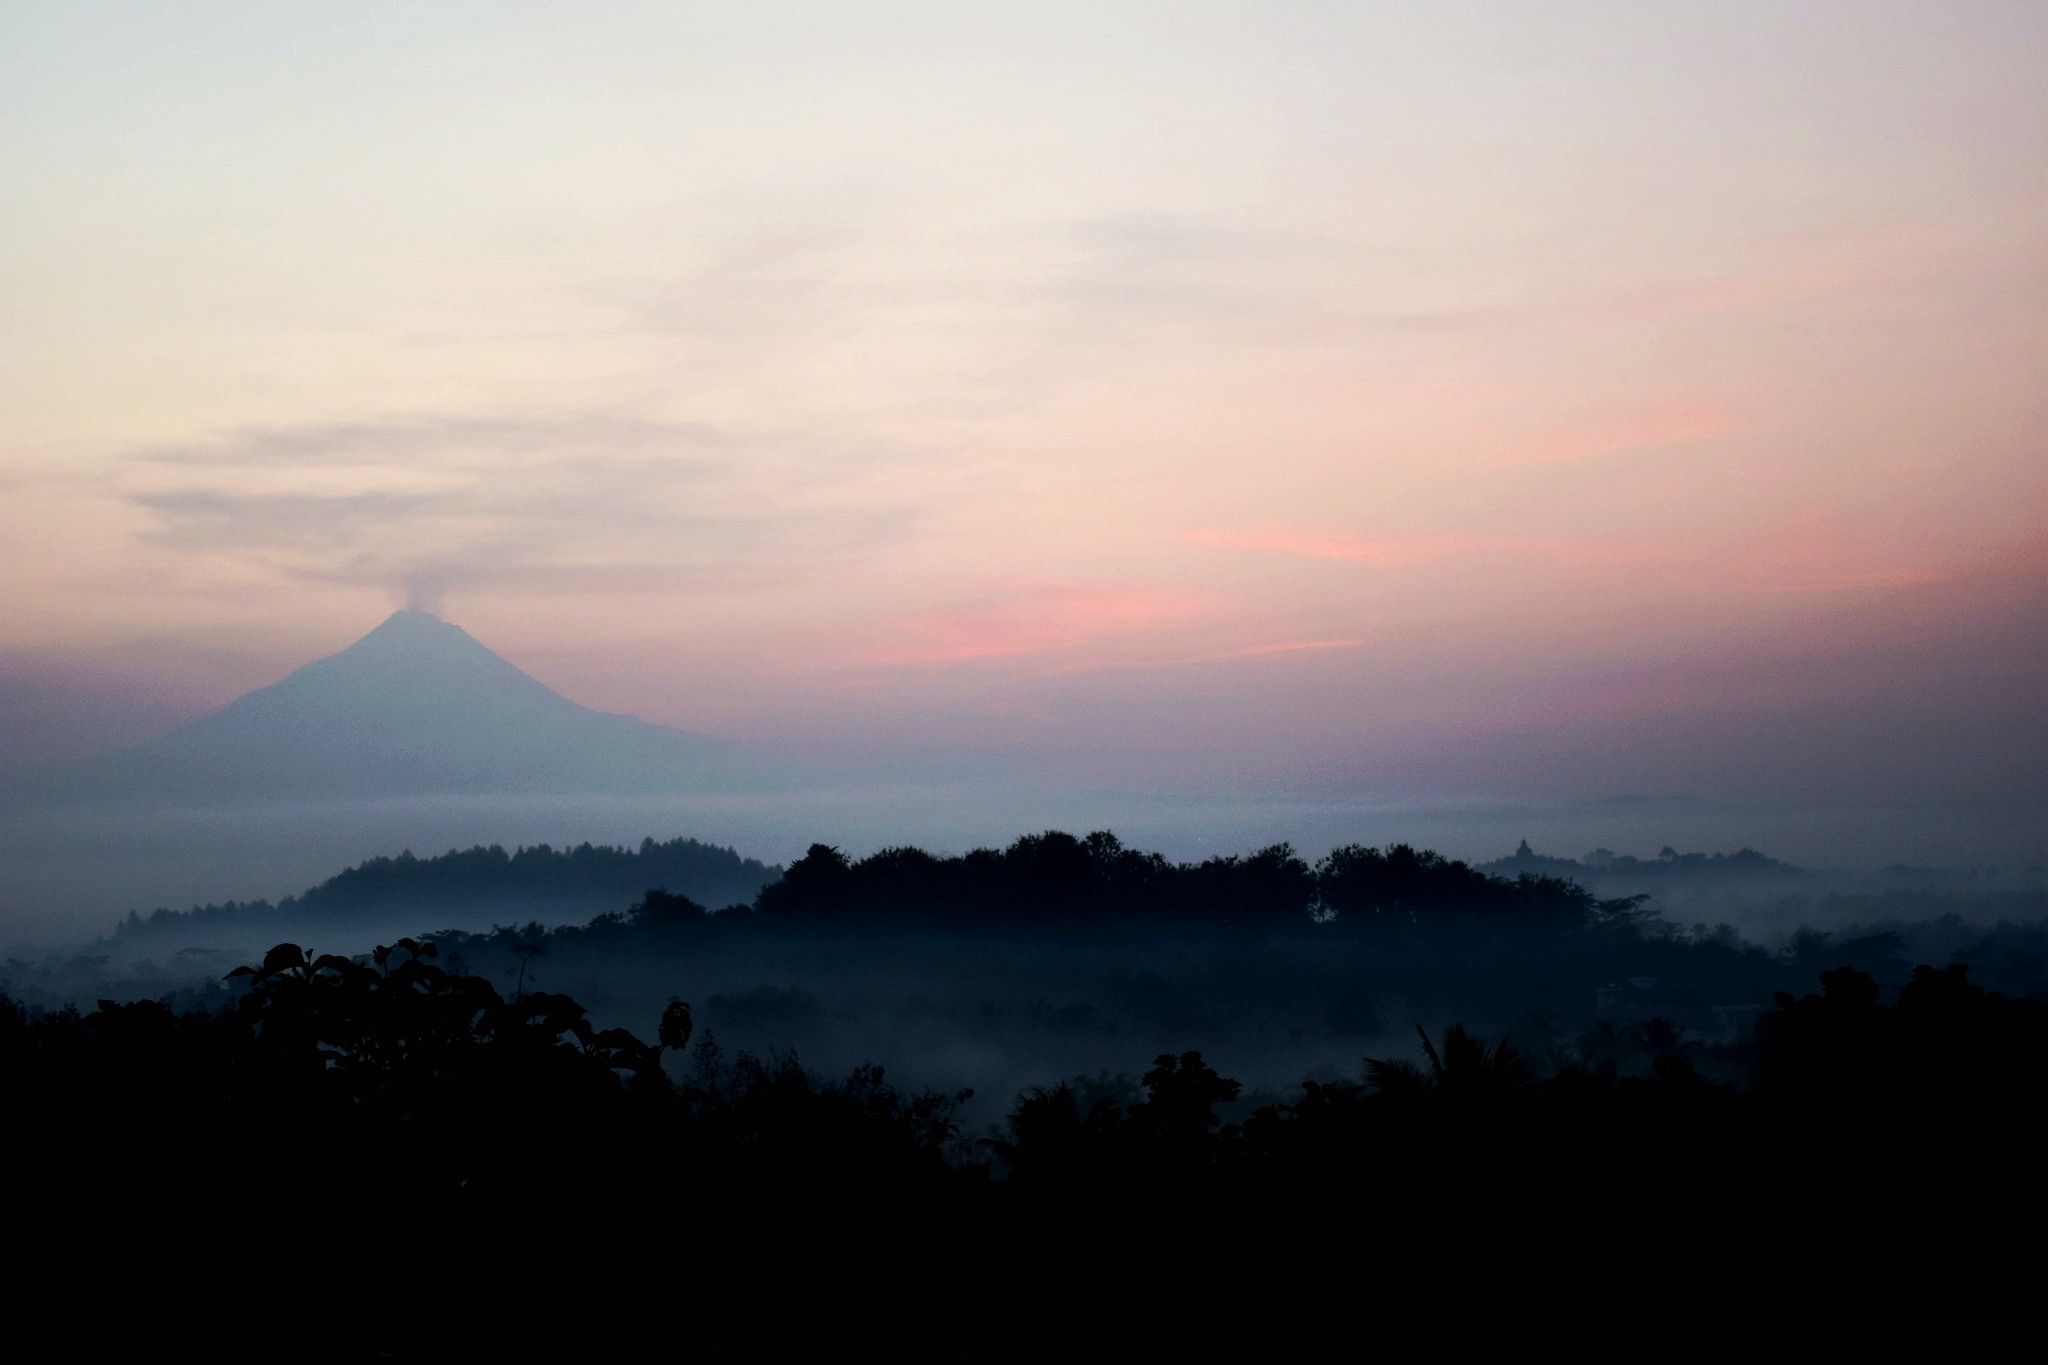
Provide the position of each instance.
(1005, 1010)
(68, 874)
(1771, 901)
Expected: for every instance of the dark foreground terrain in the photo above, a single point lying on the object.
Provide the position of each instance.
(388, 1155)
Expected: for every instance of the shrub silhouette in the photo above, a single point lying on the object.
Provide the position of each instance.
(357, 1124)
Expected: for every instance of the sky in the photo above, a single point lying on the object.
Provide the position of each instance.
(1465, 401)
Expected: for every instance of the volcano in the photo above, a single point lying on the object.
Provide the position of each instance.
(416, 707)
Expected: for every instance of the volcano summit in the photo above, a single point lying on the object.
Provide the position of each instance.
(416, 707)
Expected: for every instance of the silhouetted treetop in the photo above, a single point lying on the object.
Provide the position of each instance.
(1054, 877)
(580, 880)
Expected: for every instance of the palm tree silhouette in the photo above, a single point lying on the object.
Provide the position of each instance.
(1465, 1069)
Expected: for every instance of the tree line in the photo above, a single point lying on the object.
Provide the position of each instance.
(421, 1144)
(1049, 877)
(1056, 877)
(583, 877)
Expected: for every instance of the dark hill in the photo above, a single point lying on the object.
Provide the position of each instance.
(473, 887)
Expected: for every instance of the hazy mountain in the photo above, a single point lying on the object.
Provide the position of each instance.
(415, 707)
(383, 898)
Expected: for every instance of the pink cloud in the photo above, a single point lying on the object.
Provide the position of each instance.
(1208, 656)
(1814, 554)
(1074, 628)
(1033, 619)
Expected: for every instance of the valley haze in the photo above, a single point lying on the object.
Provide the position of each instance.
(418, 737)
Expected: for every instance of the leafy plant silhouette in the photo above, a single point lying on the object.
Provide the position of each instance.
(1464, 1071)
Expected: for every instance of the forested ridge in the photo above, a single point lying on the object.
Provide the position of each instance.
(538, 877)
(1041, 877)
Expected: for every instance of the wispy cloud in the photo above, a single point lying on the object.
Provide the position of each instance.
(443, 437)
(1289, 647)
(1171, 651)
(1396, 550)
(424, 506)
(1815, 553)
(1032, 619)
